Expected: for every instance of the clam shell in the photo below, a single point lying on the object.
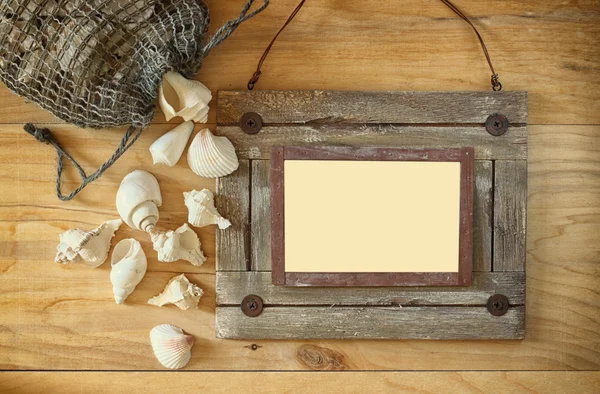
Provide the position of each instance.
(168, 149)
(211, 156)
(179, 291)
(178, 96)
(129, 265)
(89, 247)
(202, 211)
(171, 346)
(181, 244)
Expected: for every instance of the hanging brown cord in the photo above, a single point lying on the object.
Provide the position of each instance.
(496, 85)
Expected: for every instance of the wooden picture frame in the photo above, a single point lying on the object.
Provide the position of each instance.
(465, 156)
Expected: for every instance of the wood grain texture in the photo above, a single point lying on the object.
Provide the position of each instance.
(54, 317)
(510, 215)
(482, 216)
(233, 201)
(511, 146)
(419, 322)
(260, 219)
(232, 287)
(306, 107)
(316, 382)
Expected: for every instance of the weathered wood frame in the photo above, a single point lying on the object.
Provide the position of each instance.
(282, 277)
(371, 119)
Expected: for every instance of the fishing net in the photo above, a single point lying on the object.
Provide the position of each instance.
(98, 63)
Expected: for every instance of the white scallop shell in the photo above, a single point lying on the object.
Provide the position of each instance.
(168, 149)
(171, 346)
(89, 247)
(178, 96)
(129, 265)
(138, 199)
(179, 291)
(202, 211)
(181, 244)
(211, 156)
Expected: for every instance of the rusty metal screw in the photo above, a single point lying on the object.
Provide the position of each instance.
(251, 123)
(252, 305)
(496, 124)
(497, 305)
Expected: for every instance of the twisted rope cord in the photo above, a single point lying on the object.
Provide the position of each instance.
(44, 135)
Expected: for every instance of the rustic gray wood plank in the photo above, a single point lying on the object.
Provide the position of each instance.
(370, 107)
(512, 145)
(510, 215)
(422, 322)
(260, 219)
(232, 287)
(233, 202)
(482, 216)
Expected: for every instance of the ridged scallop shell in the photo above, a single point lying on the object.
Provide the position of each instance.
(169, 147)
(89, 247)
(129, 265)
(171, 346)
(202, 211)
(178, 96)
(181, 244)
(179, 291)
(212, 156)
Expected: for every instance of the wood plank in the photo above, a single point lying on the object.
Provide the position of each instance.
(270, 383)
(482, 216)
(232, 287)
(510, 215)
(317, 106)
(512, 145)
(260, 220)
(419, 322)
(233, 202)
(421, 46)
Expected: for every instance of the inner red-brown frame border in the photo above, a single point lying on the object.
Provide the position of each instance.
(465, 267)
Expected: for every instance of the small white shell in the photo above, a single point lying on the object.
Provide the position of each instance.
(138, 199)
(168, 149)
(129, 265)
(181, 244)
(183, 97)
(179, 291)
(202, 211)
(211, 156)
(171, 346)
(89, 247)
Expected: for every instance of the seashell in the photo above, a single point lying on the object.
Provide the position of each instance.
(168, 149)
(89, 247)
(138, 199)
(181, 244)
(171, 346)
(129, 265)
(202, 211)
(211, 156)
(179, 291)
(178, 96)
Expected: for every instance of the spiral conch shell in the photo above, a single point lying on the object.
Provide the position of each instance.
(181, 244)
(179, 291)
(129, 265)
(89, 247)
(178, 96)
(212, 156)
(171, 346)
(202, 211)
(169, 147)
(138, 199)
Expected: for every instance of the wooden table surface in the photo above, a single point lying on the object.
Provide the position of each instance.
(64, 318)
